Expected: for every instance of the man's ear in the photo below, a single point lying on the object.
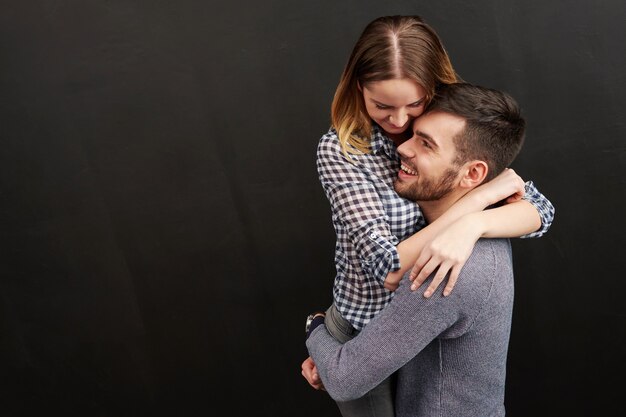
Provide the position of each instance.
(474, 173)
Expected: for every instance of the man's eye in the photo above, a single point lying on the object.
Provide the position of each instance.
(426, 144)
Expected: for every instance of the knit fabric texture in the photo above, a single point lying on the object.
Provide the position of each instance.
(450, 351)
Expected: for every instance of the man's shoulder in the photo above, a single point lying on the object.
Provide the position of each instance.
(495, 247)
(485, 285)
(490, 260)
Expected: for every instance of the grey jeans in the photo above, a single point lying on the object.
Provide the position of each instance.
(379, 402)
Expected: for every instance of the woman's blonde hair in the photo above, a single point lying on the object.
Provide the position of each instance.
(390, 47)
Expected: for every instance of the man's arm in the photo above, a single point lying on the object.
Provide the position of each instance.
(405, 327)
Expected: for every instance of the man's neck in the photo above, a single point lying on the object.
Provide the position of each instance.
(435, 208)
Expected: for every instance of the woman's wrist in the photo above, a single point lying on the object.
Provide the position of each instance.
(471, 202)
(475, 223)
(480, 198)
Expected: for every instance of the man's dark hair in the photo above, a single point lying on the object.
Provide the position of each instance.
(494, 127)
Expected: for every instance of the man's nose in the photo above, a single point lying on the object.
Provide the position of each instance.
(405, 150)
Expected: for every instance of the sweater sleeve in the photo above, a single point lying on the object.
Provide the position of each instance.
(397, 334)
(406, 326)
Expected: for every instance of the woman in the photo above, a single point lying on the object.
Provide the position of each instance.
(393, 72)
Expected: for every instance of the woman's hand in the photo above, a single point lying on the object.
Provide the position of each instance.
(446, 253)
(309, 372)
(450, 248)
(508, 185)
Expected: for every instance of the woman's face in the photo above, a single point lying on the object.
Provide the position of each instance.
(394, 104)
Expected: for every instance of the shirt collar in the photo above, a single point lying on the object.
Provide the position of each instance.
(382, 144)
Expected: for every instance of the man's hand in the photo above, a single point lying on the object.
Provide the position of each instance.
(309, 372)
(392, 284)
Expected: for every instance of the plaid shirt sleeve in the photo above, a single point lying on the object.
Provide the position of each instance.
(358, 210)
(543, 206)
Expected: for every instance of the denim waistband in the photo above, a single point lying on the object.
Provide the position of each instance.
(337, 326)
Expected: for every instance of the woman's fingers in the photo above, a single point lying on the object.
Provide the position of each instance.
(443, 268)
(454, 275)
(442, 271)
(423, 273)
(419, 265)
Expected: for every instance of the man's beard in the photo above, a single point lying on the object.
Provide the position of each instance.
(427, 189)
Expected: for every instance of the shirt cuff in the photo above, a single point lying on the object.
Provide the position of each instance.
(383, 256)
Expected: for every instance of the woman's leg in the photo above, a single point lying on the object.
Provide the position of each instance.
(379, 402)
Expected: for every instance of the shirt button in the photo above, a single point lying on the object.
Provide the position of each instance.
(373, 235)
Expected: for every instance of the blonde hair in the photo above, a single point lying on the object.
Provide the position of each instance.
(390, 47)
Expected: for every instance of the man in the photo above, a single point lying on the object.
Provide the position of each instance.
(450, 351)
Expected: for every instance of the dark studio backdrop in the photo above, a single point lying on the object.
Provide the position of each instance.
(164, 233)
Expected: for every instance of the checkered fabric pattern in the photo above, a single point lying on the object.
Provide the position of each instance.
(370, 219)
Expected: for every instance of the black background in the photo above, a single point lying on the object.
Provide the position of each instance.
(164, 233)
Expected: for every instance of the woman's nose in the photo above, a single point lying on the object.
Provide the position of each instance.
(399, 119)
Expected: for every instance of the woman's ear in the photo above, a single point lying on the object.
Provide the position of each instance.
(358, 85)
(474, 174)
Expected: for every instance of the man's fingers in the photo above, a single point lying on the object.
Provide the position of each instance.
(317, 386)
(308, 378)
(309, 372)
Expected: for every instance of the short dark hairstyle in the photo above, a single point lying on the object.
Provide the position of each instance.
(494, 127)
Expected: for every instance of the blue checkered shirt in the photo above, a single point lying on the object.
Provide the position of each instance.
(370, 219)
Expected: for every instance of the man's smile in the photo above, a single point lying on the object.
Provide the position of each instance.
(405, 169)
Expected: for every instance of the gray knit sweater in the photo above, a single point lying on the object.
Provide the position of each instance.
(450, 351)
